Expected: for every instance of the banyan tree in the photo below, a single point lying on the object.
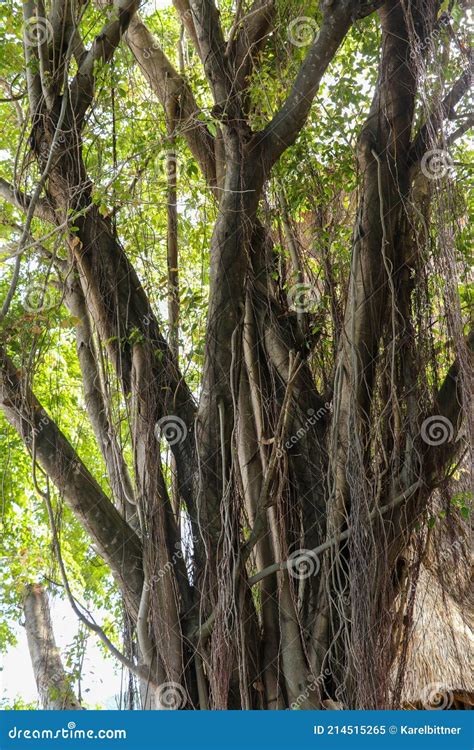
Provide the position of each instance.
(235, 353)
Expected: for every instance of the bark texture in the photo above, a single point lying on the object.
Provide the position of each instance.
(54, 685)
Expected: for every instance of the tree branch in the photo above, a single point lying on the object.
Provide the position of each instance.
(64, 25)
(20, 200)
(212, 46)
(186, 16)
(33, 80)
(255, 27)
(32, 205)
(89, 622)
(102, 49)
(285, 126)
(283, 130)
(461, 130)
(429, 130)
(175, 96)
(115, 540)
(117, 470)
(436, 456)
(449, 403)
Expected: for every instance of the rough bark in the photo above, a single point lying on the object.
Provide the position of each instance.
(53, 682)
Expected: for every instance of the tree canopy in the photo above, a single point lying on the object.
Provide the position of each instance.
(235, 343)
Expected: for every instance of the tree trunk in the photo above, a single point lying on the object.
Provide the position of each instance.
(53, 682)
